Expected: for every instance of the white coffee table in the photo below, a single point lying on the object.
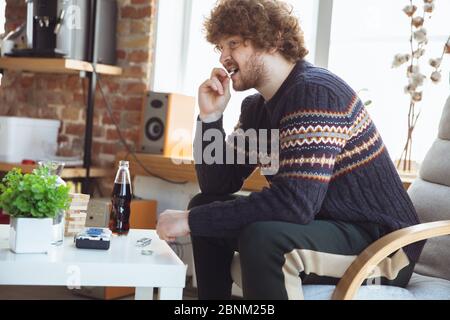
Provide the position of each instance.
(122, 265)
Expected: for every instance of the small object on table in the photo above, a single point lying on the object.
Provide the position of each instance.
(94, 238)
(75, 219)
(143, 242)
(146, 252)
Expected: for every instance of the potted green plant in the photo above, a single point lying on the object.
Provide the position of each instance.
(32, 201)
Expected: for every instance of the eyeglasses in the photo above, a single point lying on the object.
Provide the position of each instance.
(230, 45)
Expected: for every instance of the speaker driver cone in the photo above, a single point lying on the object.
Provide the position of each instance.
(154, 129)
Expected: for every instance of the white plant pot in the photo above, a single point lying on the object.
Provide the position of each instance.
(30, 235)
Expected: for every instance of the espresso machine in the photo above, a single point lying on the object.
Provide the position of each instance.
(75, 29)
(41, 29)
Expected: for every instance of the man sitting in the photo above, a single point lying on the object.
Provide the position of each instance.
(335, 192)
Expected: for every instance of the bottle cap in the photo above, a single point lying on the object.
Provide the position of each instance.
(124, 163)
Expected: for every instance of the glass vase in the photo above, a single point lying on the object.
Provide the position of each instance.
(56, 168)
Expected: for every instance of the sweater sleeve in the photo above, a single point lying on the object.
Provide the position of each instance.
(214, 173)
(312, 134)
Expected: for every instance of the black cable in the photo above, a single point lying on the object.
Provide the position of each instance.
(123, 141)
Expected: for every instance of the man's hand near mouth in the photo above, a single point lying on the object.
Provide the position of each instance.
(214, 95)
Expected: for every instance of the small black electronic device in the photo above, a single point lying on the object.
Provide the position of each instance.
(93, 238)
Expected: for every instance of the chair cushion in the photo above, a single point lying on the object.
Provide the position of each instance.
(324, 292)
(432, 203)
(436, 165)
(426, 288)
(419, 288)
(444, 127)
(430, 195)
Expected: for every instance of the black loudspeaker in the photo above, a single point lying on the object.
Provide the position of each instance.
(105, 32)
(167, 124)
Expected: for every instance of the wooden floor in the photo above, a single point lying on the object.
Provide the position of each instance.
(37, 293)
(58, 293)
(62, 293)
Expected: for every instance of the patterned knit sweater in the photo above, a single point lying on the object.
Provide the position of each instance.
(332, 163)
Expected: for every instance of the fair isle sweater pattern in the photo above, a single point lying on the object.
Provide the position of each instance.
(352, 133)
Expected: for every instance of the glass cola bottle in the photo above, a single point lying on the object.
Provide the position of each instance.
(119, 219)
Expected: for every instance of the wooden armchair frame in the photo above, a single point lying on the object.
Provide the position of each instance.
(381, 249)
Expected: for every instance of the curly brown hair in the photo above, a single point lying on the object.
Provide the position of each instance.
(266, 23)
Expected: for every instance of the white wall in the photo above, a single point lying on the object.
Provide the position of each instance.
(2, 15)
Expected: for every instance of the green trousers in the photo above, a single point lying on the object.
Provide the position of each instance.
(277, 257)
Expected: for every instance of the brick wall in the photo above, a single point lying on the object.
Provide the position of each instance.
(63, 97)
